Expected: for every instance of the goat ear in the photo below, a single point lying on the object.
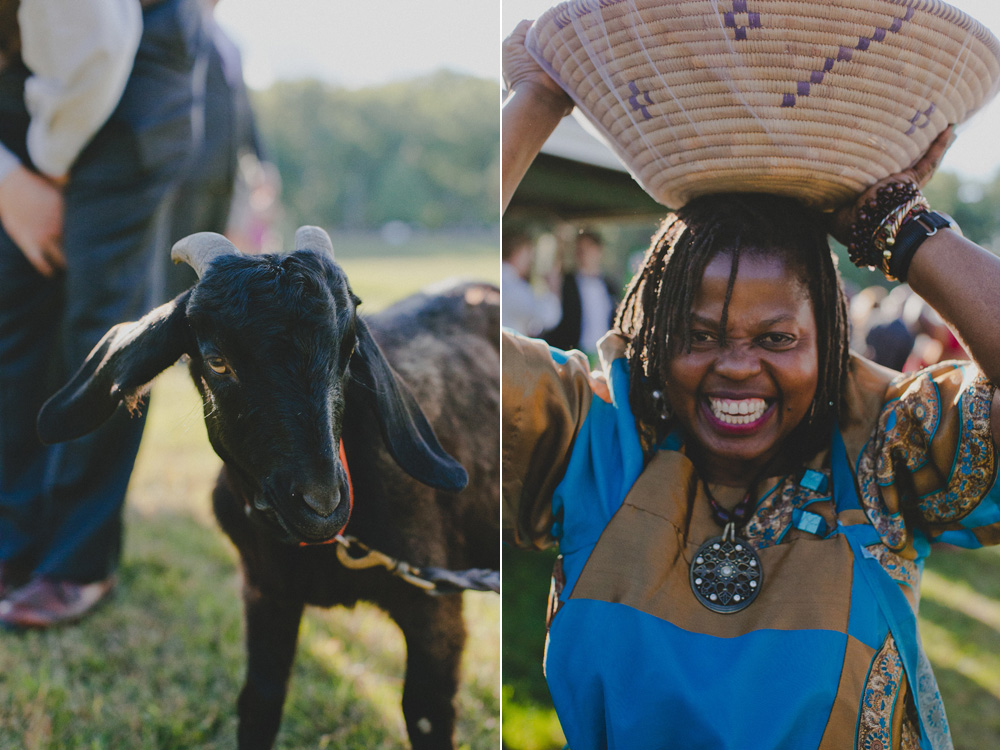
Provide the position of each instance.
(404, 428)
(128, 357)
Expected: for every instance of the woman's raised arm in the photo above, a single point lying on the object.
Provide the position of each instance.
(534, 106)
(954, 275)
(961, 281)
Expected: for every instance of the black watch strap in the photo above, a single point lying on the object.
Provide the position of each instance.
(910, 236)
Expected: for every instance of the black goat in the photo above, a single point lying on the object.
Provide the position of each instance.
(287, 369)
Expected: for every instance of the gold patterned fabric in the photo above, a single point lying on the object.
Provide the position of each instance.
(931, 459)
(886, 715)
(544, 403)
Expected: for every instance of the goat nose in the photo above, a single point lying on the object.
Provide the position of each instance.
(323, 501)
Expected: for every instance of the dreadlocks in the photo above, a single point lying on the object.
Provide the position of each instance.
(655, 315)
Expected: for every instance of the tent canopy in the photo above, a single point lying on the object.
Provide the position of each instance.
(577, 178)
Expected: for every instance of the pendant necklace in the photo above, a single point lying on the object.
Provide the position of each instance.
(725, 574)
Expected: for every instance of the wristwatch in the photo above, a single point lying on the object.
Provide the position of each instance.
(911, 235)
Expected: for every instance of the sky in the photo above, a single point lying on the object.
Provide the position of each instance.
(357, 44)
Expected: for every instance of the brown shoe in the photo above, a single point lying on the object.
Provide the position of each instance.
(43, 603)
(11, 577)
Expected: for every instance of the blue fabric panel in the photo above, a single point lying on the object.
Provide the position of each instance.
(963, 538)
(590, 492)
(866, 621)
(625, 680)
(605, 463)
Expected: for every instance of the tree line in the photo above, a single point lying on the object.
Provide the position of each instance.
(424, 151)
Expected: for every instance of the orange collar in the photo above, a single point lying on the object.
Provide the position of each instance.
(350, 501)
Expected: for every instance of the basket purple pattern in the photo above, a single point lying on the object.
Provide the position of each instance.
(796, 97)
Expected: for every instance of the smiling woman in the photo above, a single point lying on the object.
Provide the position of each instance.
(739, 365)
(742, 506)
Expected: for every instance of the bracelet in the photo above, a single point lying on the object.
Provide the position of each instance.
(911, 236)
(884, 236)
(874, 235)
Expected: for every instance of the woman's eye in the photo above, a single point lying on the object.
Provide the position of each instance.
(218, 365)
(702, 337)
(777, 339)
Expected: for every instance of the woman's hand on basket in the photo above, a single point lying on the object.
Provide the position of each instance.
(520, 71)
(918, 174)
(534, 107)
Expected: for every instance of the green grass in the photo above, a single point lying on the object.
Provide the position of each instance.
(381, 274)
(159, 667)
(959, 625)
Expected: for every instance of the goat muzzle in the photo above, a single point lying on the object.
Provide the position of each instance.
(321, 503)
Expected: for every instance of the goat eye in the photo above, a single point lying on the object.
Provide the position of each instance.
(218, 365)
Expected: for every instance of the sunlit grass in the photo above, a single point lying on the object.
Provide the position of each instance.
(387, 279)
(960, 628)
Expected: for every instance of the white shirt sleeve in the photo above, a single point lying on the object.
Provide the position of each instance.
(80, 54)
(8, 161)
(522, 309)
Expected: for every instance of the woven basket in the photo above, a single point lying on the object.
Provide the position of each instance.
(817, 99)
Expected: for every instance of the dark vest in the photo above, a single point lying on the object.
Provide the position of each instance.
(10, 32)
(566, 334)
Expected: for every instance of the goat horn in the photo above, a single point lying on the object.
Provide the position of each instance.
(198, 250)
(313, 238)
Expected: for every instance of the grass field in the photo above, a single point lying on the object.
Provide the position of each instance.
(159, 667)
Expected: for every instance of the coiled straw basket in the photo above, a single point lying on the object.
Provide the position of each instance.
(814, 99)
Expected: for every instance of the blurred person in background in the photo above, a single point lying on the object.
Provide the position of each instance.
(863, 309)
(588, 299)
(256, 212)
(522, 308)
(889, 338)
(204, 199)
(933, 341)
(96, 126)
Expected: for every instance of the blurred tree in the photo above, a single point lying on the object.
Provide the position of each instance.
(972, 204)
(424, 151)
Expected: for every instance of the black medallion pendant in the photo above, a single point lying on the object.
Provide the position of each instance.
(725, 574)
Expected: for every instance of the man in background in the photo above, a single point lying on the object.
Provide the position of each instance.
(521, 307)
(588, 299)
(204, 199)
(96, 127)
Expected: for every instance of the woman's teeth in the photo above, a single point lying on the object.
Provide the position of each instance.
(742, 411)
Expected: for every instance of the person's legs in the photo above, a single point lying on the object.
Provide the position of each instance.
(118, 188)
(107, 246)
(30, 309)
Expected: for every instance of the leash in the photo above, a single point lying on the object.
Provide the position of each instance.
(431, 580)
(356, 555)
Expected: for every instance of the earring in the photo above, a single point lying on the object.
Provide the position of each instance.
(661, 405)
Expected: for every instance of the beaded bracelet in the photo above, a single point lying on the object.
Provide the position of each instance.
(873, 235)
